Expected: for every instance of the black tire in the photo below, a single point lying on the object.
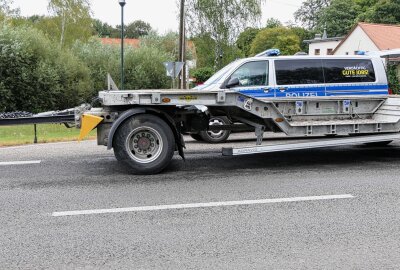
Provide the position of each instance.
(145, 143)
(213, 136)
(377, 144)
(196, 137)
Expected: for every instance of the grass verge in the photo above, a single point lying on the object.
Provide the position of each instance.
(24, 134)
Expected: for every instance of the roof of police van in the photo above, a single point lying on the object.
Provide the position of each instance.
(287, 57)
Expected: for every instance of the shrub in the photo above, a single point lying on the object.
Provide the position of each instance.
(393, 78)
(203, 74)
(36, 76)
(143, 67)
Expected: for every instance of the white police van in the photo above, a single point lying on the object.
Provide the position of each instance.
(302, 76)
(266, 76)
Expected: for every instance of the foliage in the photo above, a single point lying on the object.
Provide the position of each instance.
(282, 38)
(145, 69)
(35, 76)
(167, 43)
(73, 18)
(202, 74)
(384, 11)
(209, 54)
(393, 78)
(340, 15)
(100, 60)
(273, 23)
(309, 12)
(338, 18)
(303, 34)
(221, 22)
(102, 29)
(245, 39)
(137, 29)
(143, 66)
(6, 10)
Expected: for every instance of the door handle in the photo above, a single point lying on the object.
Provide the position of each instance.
(267, 89)
(283, 89)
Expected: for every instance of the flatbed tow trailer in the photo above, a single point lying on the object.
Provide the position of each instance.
(145, 127)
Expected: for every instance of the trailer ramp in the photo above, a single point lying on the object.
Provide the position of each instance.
(311, 144)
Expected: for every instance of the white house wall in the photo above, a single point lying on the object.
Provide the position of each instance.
(357, 41)
(322, 46)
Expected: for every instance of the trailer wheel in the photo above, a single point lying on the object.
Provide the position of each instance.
(219, 136)
(145, 143)
(196, 137)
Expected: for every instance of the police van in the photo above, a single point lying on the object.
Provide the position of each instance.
(266, 76)
(302, 76)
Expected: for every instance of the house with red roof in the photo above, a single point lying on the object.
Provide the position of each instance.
(133, 42)
(369, 37)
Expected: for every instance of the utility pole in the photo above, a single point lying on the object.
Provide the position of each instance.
(122, 4)
(182, 46)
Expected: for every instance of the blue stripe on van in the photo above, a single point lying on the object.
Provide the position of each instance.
(332, 90)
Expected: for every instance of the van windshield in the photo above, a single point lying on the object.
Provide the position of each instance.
(217, 76)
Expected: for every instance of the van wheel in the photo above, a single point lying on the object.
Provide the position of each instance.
(219, 136)
(145, 143)
(196, 137)
(384, 143)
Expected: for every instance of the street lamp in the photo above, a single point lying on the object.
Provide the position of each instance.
(122, 4)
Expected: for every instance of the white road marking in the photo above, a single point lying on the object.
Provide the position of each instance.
(199, 205)
(8, 163)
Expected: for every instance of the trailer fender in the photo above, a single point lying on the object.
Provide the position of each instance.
(135, 111)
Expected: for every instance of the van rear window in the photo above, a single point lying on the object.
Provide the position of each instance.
(348, 70)
(304, 71)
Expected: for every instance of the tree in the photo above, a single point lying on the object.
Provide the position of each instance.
(273, 23)
(222, 21)
(102, 29)
(245, 39)
(309, 12)
(74, 19)
(6, 10)
(338, 18)
(137, 29)
(384, 11)
(303, 34)
(281, 38)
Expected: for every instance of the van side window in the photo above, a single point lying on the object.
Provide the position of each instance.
(348, 70)
(302, 71)
(252, 74)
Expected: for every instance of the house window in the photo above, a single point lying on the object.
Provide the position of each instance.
(317, 52)
(329, 51)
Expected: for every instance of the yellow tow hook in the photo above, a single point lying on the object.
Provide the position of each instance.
(89, 122)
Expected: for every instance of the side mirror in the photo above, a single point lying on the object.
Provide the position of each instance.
(232, 83)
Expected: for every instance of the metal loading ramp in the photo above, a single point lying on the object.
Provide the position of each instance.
(310, 144)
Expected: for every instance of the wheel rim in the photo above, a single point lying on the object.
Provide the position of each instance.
(144, 144)
(216, 134)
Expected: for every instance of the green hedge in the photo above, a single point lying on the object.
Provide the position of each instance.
(36, 76)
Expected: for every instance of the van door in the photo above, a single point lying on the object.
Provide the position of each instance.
(253, 79)
(299, 78)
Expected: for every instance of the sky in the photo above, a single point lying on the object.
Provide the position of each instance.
(161, 14)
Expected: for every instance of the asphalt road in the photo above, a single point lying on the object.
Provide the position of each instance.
(359, 232)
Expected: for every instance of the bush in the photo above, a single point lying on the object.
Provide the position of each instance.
(203, 74)
(393, 78)
(143, 67)
(36, 76)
